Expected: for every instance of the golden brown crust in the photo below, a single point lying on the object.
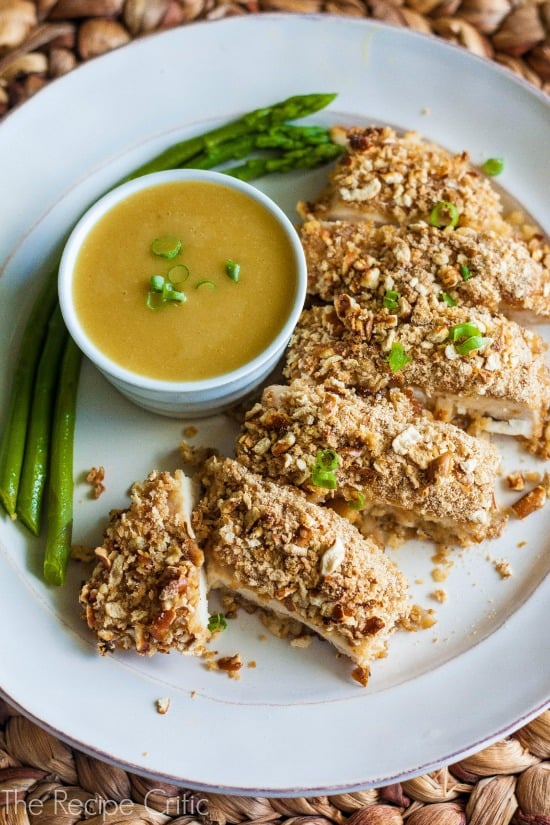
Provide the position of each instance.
(508, 379)
(269, 542)
(396, 179)
(145, 592)
(392, 454)
(465, 266)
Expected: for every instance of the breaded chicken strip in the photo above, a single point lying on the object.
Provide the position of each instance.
(148, 590)
(300, 560)
(401, 263)
(393, 460)
(387, 178)
(463, 361)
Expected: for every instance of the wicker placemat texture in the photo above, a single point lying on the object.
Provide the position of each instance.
(44, 782)
(44, 39)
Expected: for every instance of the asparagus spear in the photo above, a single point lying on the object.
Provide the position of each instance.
(12, 443)
(61, 482)
(255, 121)
(307, 158)
(37, 446)
(284, 137)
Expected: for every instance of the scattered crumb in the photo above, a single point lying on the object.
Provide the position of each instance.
(81, 553)
(96, 477)
(441, 555)
(426, 110)
(533, 477)
(303, 641)
(522, 543)
(439, 575)
(419, 618)
(530, 502)
(419, 581)
(516, 481)
(251, 664)
(262, 637)
(503, 568)
(228, 664)
(192, 694)
(190, 432)
(162, 705)
(439, 596)
(195, 456)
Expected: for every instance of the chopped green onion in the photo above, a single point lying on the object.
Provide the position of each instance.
(470, 344)
(493, 166)
(217, 622)
(398, 358)
(357, 502)
(206, 283)
(391, 300)
(154, 299)
(465, 272)
(462, 331)
(232, 269)
(156, 284)
(166, 247)
(327, 460)
(178, 274)
(323, 478)
(162, 292)
(448, 299)
(437, 215)
(324, 470)
(173, 295)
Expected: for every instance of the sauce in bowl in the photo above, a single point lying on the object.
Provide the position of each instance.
(225, 321)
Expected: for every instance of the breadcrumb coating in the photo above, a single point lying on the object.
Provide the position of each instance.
(147, 591)
(506, 381)
(272, 545)
(393, 179)
(393, 457)
(458, 265)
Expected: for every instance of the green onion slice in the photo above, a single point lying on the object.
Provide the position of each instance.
(465, 272)
(462, 331)
(232, 269)
(217, 622)
(323, 478)
(166, 247)
(156, 284)
(470, 344)
(391, 300)
(154, 299)
(444, 214)
(324, 470)
(448, 299)
(205, 283)
(493, 166)
(357, 502)
(327, 460)
(178, 274)
(398, 358)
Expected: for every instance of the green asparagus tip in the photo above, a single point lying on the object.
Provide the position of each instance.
(289, 109)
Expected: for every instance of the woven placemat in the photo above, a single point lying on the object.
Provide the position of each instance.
(42, 780)
(44, 39)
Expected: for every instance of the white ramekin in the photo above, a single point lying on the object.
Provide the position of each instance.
(180, 399)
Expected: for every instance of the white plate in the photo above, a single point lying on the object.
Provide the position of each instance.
(296, 723)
